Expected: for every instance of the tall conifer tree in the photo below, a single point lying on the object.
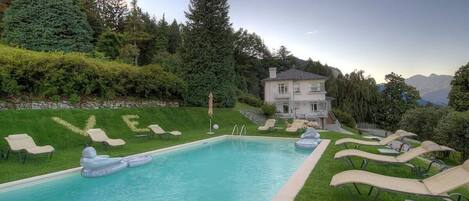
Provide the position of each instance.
(208, 53)
(113, 13)
(93, 15)
(174, 41)
(47, 25)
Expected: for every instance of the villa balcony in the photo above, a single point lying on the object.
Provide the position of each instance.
(310, 115)
(282, 96)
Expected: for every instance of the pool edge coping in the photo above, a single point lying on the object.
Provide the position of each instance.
(296, 182)
(53, 175)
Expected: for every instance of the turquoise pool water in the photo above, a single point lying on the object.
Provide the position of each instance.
(228, 170)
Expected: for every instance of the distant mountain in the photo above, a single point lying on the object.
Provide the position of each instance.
(433, 88)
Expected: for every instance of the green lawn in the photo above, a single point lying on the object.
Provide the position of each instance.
(193, 122)
(317, 186)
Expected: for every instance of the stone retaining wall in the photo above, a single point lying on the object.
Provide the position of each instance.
(41, 105)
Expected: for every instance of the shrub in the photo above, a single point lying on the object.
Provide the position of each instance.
(74, 99)
(453, 131)
(345, 118)
(422, 121)
(268, 109)
(29, 73)
(250, 100)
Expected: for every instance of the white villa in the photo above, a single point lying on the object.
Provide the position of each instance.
(298, 94)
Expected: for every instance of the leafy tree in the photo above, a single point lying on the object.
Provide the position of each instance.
(397, 98)
(285, 59)
(345, 118)
(47, 25)
(250, 54)
(110, 44)
(174, 41)
(453, 131)
(208, 53)
(355, 94)
(459, 94)
(422, 121)
(318, 68)
(113, 13)
(90, 8)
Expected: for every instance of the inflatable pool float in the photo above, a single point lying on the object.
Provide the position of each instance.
(101, 165)
(138, 161)
(307, 143)
(309, 139)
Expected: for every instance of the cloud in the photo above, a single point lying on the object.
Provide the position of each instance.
(312, 32)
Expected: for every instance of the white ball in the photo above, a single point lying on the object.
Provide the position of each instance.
(215, 126)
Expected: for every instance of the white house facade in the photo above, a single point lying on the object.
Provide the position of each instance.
(298, 94)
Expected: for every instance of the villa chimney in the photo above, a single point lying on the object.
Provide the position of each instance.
(272, 72)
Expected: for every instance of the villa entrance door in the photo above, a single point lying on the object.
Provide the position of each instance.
(286, 109)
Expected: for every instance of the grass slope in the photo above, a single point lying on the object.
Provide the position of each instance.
(193, 122)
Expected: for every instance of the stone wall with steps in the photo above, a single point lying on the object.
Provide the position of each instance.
(255, 116)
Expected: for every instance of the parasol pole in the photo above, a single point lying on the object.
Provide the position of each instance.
(210, 112)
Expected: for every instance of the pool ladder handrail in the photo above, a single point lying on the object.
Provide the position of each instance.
(238, 131)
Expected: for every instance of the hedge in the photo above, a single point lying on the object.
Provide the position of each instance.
(52, 75)
(250, 100)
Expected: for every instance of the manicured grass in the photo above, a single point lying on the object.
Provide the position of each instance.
(193, 122)
(317, 186)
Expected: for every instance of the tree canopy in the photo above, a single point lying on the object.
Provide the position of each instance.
(459, 94)
(397, 98)
(47, 25)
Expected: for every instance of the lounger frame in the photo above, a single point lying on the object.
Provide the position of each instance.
(452, 196)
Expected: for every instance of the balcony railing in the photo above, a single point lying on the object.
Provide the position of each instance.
(281, 96)
(310, 115)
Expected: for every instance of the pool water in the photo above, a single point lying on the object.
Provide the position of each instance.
(227, 170)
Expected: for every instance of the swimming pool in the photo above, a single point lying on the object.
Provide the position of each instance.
(223, 170)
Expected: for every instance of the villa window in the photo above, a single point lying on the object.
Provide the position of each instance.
(314, 107)
(315, 87)
(296, 88)
(282, 88)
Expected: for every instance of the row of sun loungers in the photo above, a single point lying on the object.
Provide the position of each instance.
(24, 144)
(437, 186)
(297, 125)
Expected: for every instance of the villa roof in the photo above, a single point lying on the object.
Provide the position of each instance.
(295, 74)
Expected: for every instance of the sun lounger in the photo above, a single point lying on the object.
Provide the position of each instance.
(99, 136)
(396, 136)
(438, 186)
(296, 125)
(426, 147)
(269, 124)
(25, 143)
(158, 131)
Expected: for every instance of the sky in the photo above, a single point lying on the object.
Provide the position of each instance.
(407, 37)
